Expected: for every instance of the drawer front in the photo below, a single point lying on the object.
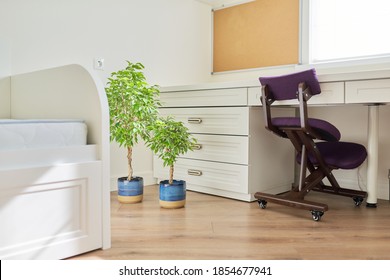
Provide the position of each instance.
(229, 120)
(221, 148)
(222, 176)
(216, 97)
(371, 91)
(331, 93)
(254, 95)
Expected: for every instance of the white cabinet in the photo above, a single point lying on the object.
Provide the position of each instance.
(235, 156)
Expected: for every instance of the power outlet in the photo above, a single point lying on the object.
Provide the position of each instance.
(98, 63)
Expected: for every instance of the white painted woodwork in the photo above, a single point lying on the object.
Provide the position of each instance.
(55, 203)
(60, 211)
(216, 175)
(211, 97)
(237, 155)
(215, 120)
(223, 148)
(368, 91)
(331, 93)
(372, 153)
(361, 87)
(43, 157)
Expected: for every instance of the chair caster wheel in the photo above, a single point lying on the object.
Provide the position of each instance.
(358, 200)
(262, 203)
(316, 215)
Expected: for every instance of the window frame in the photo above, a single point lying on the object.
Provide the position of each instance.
(359, 63)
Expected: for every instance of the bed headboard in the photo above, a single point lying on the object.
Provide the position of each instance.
(63, 92)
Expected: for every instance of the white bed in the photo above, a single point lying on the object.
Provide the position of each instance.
(54, 168)
(42, 133)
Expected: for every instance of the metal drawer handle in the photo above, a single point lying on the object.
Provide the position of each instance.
(194, 172)
(195, 120)
(197, 147)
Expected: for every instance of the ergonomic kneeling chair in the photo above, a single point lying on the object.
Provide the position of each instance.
(317, 144)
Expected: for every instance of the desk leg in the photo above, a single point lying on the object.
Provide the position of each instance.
(372, 157)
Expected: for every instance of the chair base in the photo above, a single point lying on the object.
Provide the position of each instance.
(290, 199)
(340, 191)
(295, 199)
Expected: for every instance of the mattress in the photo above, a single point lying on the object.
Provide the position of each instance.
(33, 134)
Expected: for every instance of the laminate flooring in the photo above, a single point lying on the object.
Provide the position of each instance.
(216, 228)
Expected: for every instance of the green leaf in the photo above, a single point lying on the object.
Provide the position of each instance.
(133, 105)
(170, 139)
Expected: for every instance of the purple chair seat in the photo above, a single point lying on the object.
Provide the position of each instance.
(327, 130)
(343, 155)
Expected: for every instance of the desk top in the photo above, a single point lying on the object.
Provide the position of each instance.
(323, 78)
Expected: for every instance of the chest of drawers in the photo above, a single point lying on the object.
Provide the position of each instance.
(235, 156)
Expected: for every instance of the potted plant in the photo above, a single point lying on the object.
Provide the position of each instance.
(171, 139)
(133, 107)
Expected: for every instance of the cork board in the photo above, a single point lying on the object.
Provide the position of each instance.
(257, 34)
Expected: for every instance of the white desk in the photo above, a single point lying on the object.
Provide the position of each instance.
(370, 88)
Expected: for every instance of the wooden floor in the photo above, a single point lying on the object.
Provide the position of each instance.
(215, 228)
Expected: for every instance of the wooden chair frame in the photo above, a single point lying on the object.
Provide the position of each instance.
(302, 139)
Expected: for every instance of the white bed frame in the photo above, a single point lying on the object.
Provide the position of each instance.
(55, 202)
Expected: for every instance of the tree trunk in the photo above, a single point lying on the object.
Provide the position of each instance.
(171, 174)
(129, 162)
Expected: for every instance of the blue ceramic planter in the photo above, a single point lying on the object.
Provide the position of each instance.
(130, 191)
(172, 195)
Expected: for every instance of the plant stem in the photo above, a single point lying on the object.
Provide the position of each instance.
(171, 174)
(129, 162)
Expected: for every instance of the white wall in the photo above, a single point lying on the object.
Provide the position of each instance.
(5, 83)
(172, 38)
(5, 58)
